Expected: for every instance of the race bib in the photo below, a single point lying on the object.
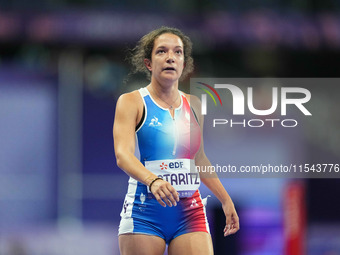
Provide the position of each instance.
(180, 173)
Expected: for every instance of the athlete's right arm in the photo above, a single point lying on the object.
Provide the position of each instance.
(124, 145)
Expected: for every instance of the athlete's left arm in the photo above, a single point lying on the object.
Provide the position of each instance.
(211, 180)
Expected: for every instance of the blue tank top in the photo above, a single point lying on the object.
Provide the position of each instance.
(168, 144)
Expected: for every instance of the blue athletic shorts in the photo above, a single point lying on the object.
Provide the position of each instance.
(142, 214)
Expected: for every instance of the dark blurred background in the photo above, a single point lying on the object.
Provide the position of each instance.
(63, 66)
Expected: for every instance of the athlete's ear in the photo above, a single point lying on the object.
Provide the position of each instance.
(147, 63)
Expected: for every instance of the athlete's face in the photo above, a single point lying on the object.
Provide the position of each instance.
(167, 58)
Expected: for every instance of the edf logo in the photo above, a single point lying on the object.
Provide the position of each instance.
(175, 164)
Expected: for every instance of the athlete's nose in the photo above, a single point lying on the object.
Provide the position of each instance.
(170, 58)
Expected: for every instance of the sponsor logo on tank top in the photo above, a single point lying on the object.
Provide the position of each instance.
(154, 122)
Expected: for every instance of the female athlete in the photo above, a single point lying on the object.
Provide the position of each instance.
(163, 204)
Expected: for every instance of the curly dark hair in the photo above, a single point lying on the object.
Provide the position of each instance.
(145, 46)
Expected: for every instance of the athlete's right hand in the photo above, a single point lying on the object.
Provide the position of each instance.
(164, 193)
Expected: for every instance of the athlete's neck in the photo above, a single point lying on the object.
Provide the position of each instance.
(164, 91)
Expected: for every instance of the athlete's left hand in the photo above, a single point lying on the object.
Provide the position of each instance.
(232, 220)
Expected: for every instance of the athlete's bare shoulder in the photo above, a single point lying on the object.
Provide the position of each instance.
(133, 96)
(130, 102)
(131, 99)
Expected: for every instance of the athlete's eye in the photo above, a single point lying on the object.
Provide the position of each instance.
(160, 51)
(179, 52)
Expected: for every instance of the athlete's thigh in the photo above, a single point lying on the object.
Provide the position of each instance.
(195, 243)
(139, 244)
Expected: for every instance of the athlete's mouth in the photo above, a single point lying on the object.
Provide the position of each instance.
(169, 69)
